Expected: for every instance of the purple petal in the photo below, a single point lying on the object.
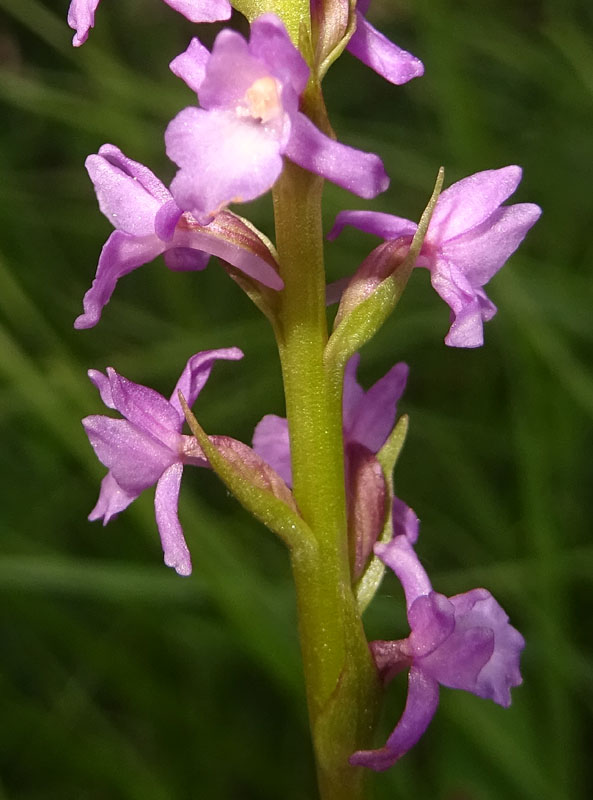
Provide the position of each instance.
(137, 171)
(195, 375)
(270, 43)
(184, 259)
(376, 222)
(190, 65)
(112, 500)
(352, 394)
(471, 201)
(166, 220)
(377, 52)
(223, 159)
(81, 18)
(451, 284)
(123, 200)
(405, 521)
(479, 609)
(399, 555)
(135, 459)
(271, 441)
(432, 620)
(230, 72)
(202, 10)
(374, 417)
(361, 173)
(166, 501)
(422, 702)
(121, 254)
(482, 251)
(457, 662)
(103, 384)
(146, 409)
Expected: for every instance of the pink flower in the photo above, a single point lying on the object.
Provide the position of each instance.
(232, 148)
(148, 223)
(463, 642)
(470, 237)
(81, 14)
(147, 447)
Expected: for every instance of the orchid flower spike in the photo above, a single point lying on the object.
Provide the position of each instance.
(148, 222)
(81, 14)
(463, 642)
(470, 237)
(232, 148)
(368, 419)
(147, 447)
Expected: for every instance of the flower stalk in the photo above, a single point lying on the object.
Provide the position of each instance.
(342, 687)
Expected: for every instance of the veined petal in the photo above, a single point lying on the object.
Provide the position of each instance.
(374, 417)
(145, 408)
(81, 17)
(195, 375)
(190, 65)
(135, 459)
(381, 55)
(271, 441)
(223, 159)
(471, 201)
(421, 704)
(399, 555)
(483, 250)
(202, 10)
(359, 172)
(121, 254)
(166, 501)
(112, 500)
(378, 223)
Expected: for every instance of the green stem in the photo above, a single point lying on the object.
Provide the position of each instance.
(340, 678)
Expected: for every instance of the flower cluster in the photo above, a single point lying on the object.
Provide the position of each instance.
(463, 642)
(253, 115)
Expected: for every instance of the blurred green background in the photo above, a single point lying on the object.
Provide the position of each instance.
(120, 680)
